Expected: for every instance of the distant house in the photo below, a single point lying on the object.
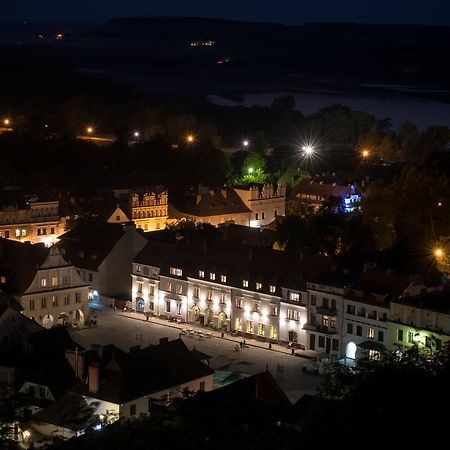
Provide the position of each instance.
(265, 202)
(213, 206)
(124, 384)
(314, 193)
(102, 253)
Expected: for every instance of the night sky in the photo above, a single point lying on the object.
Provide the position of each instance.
(284, 11)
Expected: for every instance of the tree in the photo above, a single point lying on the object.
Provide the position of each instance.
(253, 168)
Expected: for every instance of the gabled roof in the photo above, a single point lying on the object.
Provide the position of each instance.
(212, 203)
(128, 376)
(18, 264)
(87, 245)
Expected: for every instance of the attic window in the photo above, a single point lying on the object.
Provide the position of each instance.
(245, 283)
(258, 286)
(201, 274)
(2, 280)
(175, 271)
(272, 288)
(223, 278)
(138, 268)
(212, 276)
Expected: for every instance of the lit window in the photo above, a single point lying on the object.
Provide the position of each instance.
(54, 281)
(176, 272)
(212, 276)
(2, 280)
(196, 292)
(293, 314)
(238, 324)
(222, 298)
(258, 286)
(169, 286)
(201, 274)
(370, 333)
(138, 268)
(273, 332)
(179, 289)
(295, 296)
(256, 307)
(239, 303)
(223, 278)
(272, 288)
(245, 283)
(374, 355)
(43, 282)
(261, 329)
(179, 308)
(249, 328)
(274, 310)
(209, 295)
(55, 300)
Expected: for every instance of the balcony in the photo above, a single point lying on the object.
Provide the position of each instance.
(326, 311)
(319, 328)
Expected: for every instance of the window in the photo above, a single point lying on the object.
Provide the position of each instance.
(313, 300)
(380, 336)
(249, 326)
(238, 324)
(201, 274)
(202, 386)
(169, 286)
(263, 215)
(90, 276)
(168, 307)
(245, 283)
(256, 307)
(400, 335)
(256, 216)
(146, 270)
(410, 337)
(43, 282)
(65, 280)
(333, 303)
(335, 345)
(54, 301)
(17, 232)
(132, 410)
(358, 330)
(295, 297)
(222, 298)
(23, 232)
(179, 308)
(239, 303)
(209, 294)
(321, 343)
(212, 276)
(274, 310)
(138, 268)
(67, 299)
(351, 309)
(261, 329)
(374, 355)
(77, 297)
(370, 333)
(273, 332)
(151, 290)
(139, 287)
(7, 234)
(31, 304)
(325, 302)
(272, 288)
(179, 289)
(258, 286)
(43, 302)
(52, 230)
(196, 292)
(176, 272)
(38, 232)
(2, 280)
(349, 328)
(333, 322)
(223, 278)
(292, 314)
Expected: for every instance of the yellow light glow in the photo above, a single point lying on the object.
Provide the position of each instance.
(365, 153)
(26, 434)
(6, 122)
(438, 252)
(190, 138)
(89, 130)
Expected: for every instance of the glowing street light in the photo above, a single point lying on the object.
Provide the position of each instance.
(438, 252)
(308, 150)
(245, 143)
(190, 138)
(250, 170)
(136, 134)
(365, 153)
(89, 130)
(6, 122)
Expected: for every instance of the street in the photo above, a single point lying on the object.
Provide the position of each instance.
(125, 331)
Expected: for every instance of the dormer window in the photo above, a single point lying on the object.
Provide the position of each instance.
(201, 274)
(272, 288)
(2, 280)
(258, 286)
(295, 297)
(223, 278)
(43, 282)
(175, 271)
(245, 283)
(212, 276)
(138, 269)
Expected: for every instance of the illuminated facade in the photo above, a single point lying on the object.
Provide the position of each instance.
(38, 222)
(57, 295)
(149, 210)
(265, 202)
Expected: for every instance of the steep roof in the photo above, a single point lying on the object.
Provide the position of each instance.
(127, 376)
(88, 244)
(212, 203)
(18, 264)
(433, 301)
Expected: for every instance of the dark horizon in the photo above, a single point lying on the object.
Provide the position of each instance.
(414, 12)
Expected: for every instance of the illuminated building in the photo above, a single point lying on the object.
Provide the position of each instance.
(35, 222)
(265, 203)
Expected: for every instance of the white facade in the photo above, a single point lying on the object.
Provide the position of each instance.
(57, 294)
(293, 317)
(265, 203)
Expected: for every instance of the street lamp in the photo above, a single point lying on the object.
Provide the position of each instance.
(89, 130)
(308, 150)
(6, 122)
(365, 153)
(136, 134)
(250, 170)
(438, 252)
(245, 143)
(190, 138)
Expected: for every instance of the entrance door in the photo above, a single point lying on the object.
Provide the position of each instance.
(312, 342)
(140, 304)
(328, 345)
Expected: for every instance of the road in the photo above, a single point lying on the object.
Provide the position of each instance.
(125, 331)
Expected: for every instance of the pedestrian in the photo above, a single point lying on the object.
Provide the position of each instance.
(292, 351)
(244, 344)
(241, 344)
(270, 346)
(221, 335)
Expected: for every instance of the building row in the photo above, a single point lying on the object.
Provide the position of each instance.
(281, 297)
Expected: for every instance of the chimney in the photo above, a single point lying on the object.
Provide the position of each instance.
(76, 360)
(93, 378)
